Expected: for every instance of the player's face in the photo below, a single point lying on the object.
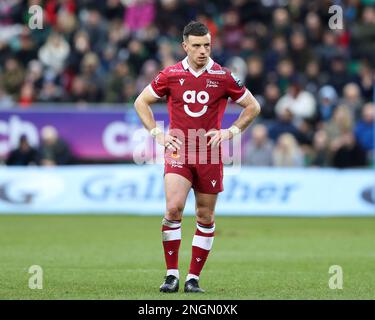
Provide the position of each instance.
(198, 49)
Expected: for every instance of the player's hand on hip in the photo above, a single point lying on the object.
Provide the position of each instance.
(168, 141)
(218, 136)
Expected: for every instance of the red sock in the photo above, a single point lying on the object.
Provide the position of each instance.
(171, 233)
(202, 244)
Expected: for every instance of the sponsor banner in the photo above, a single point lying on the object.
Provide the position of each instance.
(132, 189)
(107, 134)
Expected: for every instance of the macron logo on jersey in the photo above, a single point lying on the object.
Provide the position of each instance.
(213, 182)
(181, 81)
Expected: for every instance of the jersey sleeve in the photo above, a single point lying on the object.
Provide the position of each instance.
(159, 86)
(235, 89)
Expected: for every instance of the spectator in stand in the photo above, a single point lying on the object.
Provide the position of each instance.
(54, 52)
(300, 52)
(118, 35)
(271, 96)
(50, 92)
(363, 35)
(364, 129)
(165, 53)
(149, 71)
(255, 79)
(116, 81)
(219, 53)
(91, 72)
(27, 95)
(365, 80)
(137, 55)
(27, 49)
(10, 12)
(81, 46)
(129, 92)
(339, 75)
(250, 46)
(352, 99)
(170, 17)
(349, 154)
(6, 101)
(340, 123)
(114, 10)
(314, 77)
(327, 49)
(139, 15)
(53, 150)
(327, 103)
(232, 32)
(67, 23)
(210, 23)
(23, 155)
(287, 152)
(306, 133)
(109, 59)
(96, 28)
(53, 9)
(79, 91)
(281, 21)
(300, 102)
(238, 66)
(285, 74)
(277, 52)
(314, 29)
(320, 153)
(12, 77)
(34, 74)
(296, 9)
(283, 124)
(258, 152)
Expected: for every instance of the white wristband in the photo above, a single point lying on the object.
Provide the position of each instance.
(155, 131)
(234, 130)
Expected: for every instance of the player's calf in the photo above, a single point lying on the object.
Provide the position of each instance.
(171, 235)
(201, 246)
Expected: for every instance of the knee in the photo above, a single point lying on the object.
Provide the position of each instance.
(205, 215)
(174, 211)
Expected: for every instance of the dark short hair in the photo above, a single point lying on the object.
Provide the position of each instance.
(195, 28)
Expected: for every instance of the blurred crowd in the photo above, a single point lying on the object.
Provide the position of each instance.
(52, 151)
(314, 84)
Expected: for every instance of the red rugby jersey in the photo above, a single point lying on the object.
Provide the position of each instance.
(197, 100)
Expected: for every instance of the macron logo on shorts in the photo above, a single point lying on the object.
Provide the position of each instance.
(213, 182)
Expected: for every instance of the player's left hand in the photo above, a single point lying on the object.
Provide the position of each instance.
(218, 136)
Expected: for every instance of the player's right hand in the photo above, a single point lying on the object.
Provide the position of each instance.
(168, 141)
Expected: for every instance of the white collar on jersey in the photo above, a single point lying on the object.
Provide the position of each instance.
(208, 66)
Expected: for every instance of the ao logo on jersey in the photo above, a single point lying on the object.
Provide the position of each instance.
(191, 96)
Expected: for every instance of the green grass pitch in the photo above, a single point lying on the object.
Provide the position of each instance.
(120, 257)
